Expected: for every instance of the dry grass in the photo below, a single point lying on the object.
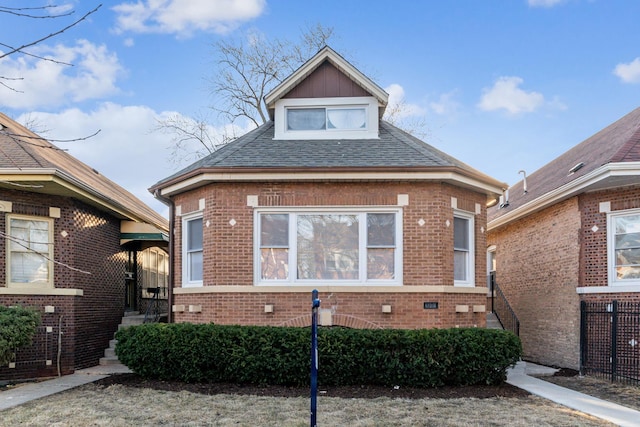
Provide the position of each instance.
(117, 405)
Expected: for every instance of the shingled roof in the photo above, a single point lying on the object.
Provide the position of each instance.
(31, 163)
(394, 151)
(605, 160)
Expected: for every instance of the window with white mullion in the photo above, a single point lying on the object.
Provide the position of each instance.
(463, 249)
(327, 247)
(192, 250)
(624, 248)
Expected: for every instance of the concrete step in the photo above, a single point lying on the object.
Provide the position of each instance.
(111, 360)
(110, 352)
(493, 322)
(133, 320)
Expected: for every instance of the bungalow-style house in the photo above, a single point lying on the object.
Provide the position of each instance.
(328, 196)
(568, 234)
(74, 246)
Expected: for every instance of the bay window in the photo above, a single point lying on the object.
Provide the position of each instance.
(337, 247)
(192, 256)
(463, 249)
(30, 251)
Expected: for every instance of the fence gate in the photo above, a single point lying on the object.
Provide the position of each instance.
(610, 340)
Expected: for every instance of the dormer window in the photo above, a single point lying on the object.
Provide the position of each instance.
(326, 118)
(349, 118)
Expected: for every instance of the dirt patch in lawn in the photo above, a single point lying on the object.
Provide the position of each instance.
(365, 392)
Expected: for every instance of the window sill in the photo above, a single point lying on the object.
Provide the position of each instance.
(42, 291)
(614, 289)
(335, 289)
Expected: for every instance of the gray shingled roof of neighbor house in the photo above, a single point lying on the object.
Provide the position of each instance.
(394, 149)
(27, 156)
(617, 143)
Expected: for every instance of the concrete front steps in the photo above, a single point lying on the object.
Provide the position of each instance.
(493, 322)
(129, 318)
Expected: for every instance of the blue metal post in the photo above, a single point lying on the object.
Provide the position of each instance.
(314, 356)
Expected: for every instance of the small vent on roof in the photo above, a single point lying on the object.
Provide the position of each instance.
(95, 171)
(576, 168)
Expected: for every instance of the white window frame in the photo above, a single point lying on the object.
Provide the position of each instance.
(611, 255)
(48, 255)
(369, 103)
(470, 267)
(362, 246)
(160, 268)
(186, 269)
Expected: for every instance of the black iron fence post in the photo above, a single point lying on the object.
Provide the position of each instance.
(583, 336)
(614, 340)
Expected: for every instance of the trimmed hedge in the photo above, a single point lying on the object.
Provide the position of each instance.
(18, 326)
(278, 355)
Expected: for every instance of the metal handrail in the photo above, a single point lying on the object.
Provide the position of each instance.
(502, 309)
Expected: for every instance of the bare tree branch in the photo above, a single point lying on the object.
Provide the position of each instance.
(40, 40)
(20, 11)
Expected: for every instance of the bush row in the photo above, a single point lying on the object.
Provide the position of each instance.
(278, 355)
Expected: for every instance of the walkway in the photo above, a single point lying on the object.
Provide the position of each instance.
(612, 412)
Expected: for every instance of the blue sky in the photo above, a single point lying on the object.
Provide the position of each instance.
(503, 85)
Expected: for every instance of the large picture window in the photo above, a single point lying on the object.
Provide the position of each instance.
(463, 249)
(624, 248)
(192, 254)
(328, 247)
(30, 251)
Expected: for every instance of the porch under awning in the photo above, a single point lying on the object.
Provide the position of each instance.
(139, 236)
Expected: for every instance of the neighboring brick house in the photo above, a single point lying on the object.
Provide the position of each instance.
(567, 233)
(70, 245)
(328, 196)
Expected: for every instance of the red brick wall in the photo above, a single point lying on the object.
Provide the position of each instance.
(427, 252)
(91, 243)
(538, 269)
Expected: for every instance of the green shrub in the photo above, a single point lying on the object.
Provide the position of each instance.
(17, 328)
(276, 355)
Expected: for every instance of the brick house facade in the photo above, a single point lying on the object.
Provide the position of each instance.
(555, 244)
(275, 214)
(59, 213)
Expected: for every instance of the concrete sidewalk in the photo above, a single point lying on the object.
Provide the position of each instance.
(518, 376)
(612, 412)
(31, 391)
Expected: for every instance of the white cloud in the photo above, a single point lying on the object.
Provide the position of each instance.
(183, 17)
(506, 95)
(127, 150)
(629, 73)
(397, 105)
(93, 75)
(544, 3)
(446, 104)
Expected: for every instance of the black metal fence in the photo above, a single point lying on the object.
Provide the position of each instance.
(610, 340)
(501, 307)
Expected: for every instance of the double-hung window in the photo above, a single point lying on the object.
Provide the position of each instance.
(463, 249)
(192, 245)
(328, 247)
(624, 248)
(30, 251)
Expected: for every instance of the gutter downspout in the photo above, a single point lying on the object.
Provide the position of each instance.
(169, 202)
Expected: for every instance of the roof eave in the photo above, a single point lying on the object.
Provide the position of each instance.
(570, 189)
(76, 187)
(200, 177)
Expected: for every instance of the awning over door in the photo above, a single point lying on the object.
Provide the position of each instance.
(139, 235)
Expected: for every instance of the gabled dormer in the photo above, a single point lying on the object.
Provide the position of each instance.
(326, 98)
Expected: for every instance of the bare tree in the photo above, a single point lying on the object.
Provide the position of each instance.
(42, 12)
(247, 69)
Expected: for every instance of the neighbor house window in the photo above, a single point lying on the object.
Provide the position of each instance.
(463, 244)
(328, 247)
(306, 119)
(30, 251)
(624, 248)
(192, 260)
